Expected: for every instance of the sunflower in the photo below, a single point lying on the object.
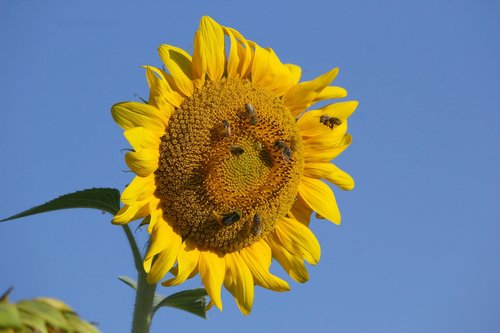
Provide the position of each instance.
(229, 161)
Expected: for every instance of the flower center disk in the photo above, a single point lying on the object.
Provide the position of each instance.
(230, 164)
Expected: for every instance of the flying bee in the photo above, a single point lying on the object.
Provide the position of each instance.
(256, 225)
(286, 151)
(252, 115)
(230, 218)
(236, 150)
(227, 127)
(330, 121)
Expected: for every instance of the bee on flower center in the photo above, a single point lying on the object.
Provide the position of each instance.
(236, 150)
(227, 127)
(230, 218)
(256, 225)
(286, 151)
(252, 115)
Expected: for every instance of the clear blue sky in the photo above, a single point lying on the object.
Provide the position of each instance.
(419, 246)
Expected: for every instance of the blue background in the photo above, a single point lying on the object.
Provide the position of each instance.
(418, 249)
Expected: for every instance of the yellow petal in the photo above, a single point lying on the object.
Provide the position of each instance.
(133, 114)
(303, 95)
(171, 82)
(168, 246)
(310, 125)
(239, 281)
(322, 137)
(139, 190)
(330, 92)
(258, 258)
(143, 162)
(298, 240)
(158, 241)
(141, 138)
(301, 212)
(245, 53)
(161, 94)
(209, 55)
(341, 110)
(240, 54)
(295, 72)
(187, 263)
(156, 212)
(320, 198)
(209, 305)
(212, 272)
(269, 72)
(331, 173)
(178, 63)
(233, 59)
(130, 213)
(328, 153)
(293, 265)
(326, 146)
(165, 260)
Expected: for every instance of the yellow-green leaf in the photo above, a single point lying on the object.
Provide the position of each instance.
(44, 311)
(9, 316)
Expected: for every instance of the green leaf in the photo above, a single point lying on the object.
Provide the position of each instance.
(104, 199)
(128, 281)
(9, 316)
(192, 301)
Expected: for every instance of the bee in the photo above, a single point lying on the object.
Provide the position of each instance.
(227, 127)
(230, 218)
(256, 225)
(252, 115)
(236, 150)
(330, 121)
(286, 151)
(279, 144)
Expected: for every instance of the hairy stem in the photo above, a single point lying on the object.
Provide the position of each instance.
(145, 293)
(143, 311)
(135, 249)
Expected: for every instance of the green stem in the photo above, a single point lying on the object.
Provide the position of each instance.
(133, 246)
(145, 293)
(143, 311)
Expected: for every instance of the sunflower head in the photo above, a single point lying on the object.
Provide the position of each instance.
(227, 164)
(228, 159)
